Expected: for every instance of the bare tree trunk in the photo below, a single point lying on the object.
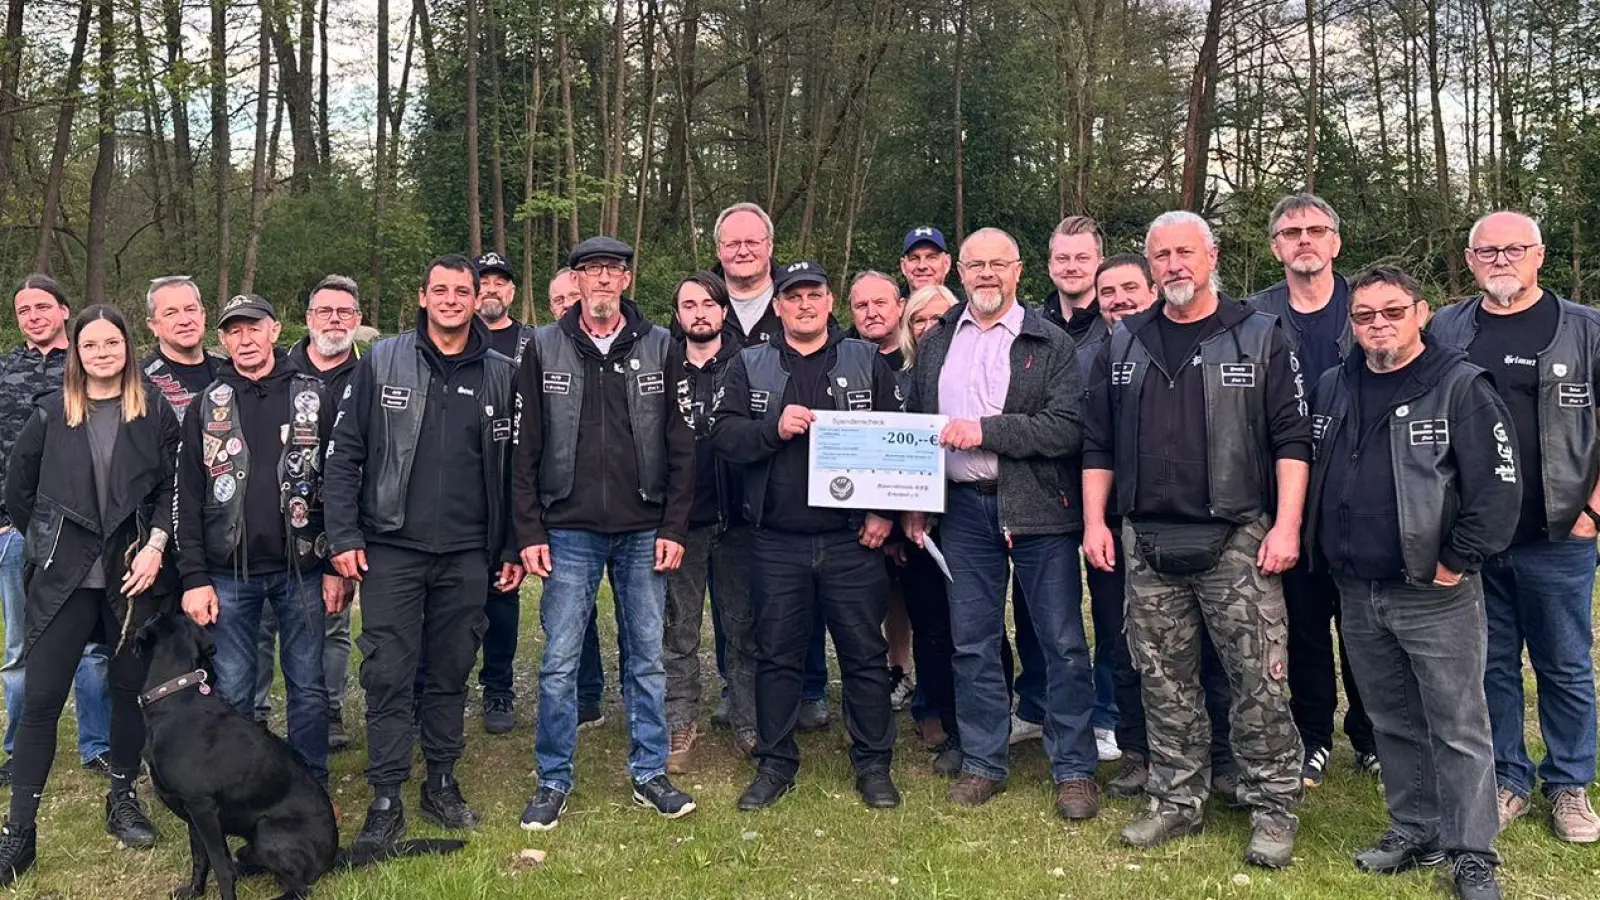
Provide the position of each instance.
(497, 185)
(1313, 96)
(1441, 158)
(530, 127)
(960, 123)
(10, 74)
(155, 135)
(652, 19)
(221, 153)
(258, 167)
(619, 120)
(323, 133)
(100, 183)
(380, 167)
(51, 211)
(1202, 103)
(566, 113)
(474, 200)
(430, 64)
(182, 149)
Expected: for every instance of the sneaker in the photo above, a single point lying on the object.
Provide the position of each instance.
(590, 717)
(126, 821)
(5, 773)
(1077, 799)
(679, 748)
(338, 738)
(947, 758)
(443, 805)
(1474, 878)
(719, 714)
(18, 847)
(1105, 743)
(1272, 841)
(1370, 764)
(813, 715)
(745, 743)
(385, 825)
(1393, 854)
(1571, 816)
(1023, 730)
(499, 714)
(659, 794)
(975, 790)
(1511, 806)
(544, 811)
(1316, 766)
(100, 765)
(763, 792)
(901, 687)
(1131, 778)
(1155, 827)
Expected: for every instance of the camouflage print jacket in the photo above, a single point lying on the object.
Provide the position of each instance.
(25, 375)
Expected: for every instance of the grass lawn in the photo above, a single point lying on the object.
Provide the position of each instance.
(819, 842)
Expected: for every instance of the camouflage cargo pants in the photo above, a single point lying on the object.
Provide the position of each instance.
(1245, 613)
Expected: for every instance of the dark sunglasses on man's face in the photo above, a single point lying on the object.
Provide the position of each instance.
(1368, 316)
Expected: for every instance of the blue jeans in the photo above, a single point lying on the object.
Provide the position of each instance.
(1539, 594)
(579, 559)
(94, 696)
(1047, 566)
(297, 603)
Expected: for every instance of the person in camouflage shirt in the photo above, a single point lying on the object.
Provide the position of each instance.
(32, 368)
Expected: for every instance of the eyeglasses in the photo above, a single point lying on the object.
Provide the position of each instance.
(736, 246)
(1315, 232)
(1391, 313)
(984, 265)
(326, 313)
(595, 270)
(1513, 252)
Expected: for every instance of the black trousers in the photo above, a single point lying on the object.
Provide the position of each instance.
(414, 604)
(85, 617)
(1312, 599)
(791, 576)
(928, 608)
(503, 612)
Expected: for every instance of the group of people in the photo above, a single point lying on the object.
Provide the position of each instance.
(1239, 478)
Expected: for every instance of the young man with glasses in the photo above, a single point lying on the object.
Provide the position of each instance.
(1544, 354)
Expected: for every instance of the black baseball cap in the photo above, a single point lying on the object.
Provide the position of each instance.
(599, 248)
(798, 273)
(493, 262)
(246, 306)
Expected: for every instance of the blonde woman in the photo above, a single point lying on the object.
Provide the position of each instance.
(923, 309)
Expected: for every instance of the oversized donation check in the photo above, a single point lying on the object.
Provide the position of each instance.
(876, 460)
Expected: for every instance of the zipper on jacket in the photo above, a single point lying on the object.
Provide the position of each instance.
(56, 542)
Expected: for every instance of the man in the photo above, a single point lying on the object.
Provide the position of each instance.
(718, 551)
(563, 293)
(32, 368)
(808, 557)
(1009, 383)
(875, 309)
(1414, 471)
(1197, 420)
(179, 367)
(1075, 253)
(250, 521)
(1544, 355)
(328, 351)
(1124, 286)
(744, 234)
(1312, 305)
(604, 478)
(417, 488)
(924, 259)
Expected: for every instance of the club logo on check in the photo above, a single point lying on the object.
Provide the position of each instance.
(841, 488)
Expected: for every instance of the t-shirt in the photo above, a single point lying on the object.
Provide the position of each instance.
(504, 340)
(104, 418)
(1320, 330)
(197, 377)
(751, 309)
(1508, 346)
(604, 343)
(1181, 340)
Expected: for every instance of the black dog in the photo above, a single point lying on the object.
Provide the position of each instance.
(224, 775)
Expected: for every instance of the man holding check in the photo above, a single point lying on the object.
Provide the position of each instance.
(804, 555)
(1010, 384)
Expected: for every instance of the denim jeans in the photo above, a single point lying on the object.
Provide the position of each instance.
(1418, 656)
(1539, 594)
(93, 693)
(335, 660)
(578, 560)
(296, 602)
(815, 685)
(1047, 566)
(1025, 669)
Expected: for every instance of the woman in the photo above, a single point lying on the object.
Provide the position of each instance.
(924, 308)
(90, 487)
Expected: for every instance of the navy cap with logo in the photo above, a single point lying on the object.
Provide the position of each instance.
(599, 248)
(798, 273)
(924, 234)
(493, 262)
(246, 306)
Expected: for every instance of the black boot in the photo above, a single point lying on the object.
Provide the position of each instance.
(17, 848)
(126, 821)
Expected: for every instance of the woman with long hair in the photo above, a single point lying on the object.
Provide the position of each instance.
(924, 308)
(90, 487)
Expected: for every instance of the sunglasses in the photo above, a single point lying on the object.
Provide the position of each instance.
(1391, 313)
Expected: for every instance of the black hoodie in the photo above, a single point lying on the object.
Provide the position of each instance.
(717, 492)
(335, 378)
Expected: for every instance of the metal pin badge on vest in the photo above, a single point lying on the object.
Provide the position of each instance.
(633, 364)
(307, 402)
(1559, 370)
(298, 513)
(842, 382)
(234, 446)
(1402, 411)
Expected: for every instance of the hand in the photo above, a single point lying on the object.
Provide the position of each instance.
(1443, 577)
(1099, 547)
(961, 434)
(795, 421)
(669, 555)
(874, 531)
(1585, 529)
(536, 560)
(511, 575)
(141, 572)
(336, 593)
(915, 525)
(200, 604)
(1279, 550)
(351, 563)
(896, 551)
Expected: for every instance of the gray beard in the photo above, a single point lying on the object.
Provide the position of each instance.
(334, 346)
(1179, 295)
(984, 305)
(1502, 290)
(1300, 268)
(1383, 360)
(492, 311)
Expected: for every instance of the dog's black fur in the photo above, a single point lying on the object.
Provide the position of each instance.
(225, 776)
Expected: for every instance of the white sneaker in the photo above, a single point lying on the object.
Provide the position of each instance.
(1023, 730)
(1105, 741)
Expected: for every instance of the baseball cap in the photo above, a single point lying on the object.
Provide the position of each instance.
(924, 234)
(246, 306)
(599, 248)
(798, 273)
(493, 262)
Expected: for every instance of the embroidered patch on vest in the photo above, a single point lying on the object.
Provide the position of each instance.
(858, 400)
(557, 382)
(500, 429)
(395, 397)
(758, 401)
(1239, 375)
(1429, 431)
(1122, 373)
(1574, 394)
(652, 383)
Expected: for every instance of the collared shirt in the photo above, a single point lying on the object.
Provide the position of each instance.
(973, 384)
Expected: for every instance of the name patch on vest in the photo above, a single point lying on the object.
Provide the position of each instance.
(500, 429)
(557, 382)
(858, 400)
(1429, 431)
(1319, 426)
(395, 397)
(652, 383)
(758, 401)
(1574, 395)
(1122, 373)
(1239, 375)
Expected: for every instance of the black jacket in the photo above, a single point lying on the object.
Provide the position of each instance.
(1275, 301)
(53, 502)
(766, 328)
(25, 376)
(718, 491)
(335, 378)
(1430, 481)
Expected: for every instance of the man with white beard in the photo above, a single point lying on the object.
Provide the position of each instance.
(1197, 435)
(1544, 354)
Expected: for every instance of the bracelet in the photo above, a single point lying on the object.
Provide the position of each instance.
(1593, 516)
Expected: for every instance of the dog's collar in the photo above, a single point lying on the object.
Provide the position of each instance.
(171, 686)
